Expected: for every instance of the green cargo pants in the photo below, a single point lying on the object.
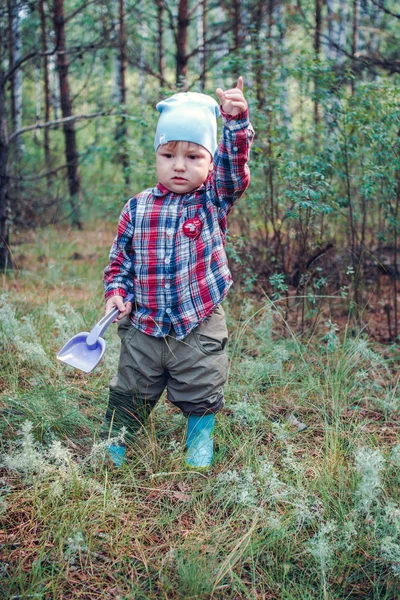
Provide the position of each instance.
(193, 371)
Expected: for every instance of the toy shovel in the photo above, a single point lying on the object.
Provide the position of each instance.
(85, 350)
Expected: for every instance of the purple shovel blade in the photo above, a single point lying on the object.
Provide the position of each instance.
(85, 350)
(77, 353)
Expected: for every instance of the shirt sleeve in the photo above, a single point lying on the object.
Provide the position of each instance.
(119, 273)
(231, 174)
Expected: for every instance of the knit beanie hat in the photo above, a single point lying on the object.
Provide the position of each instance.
(188, 117)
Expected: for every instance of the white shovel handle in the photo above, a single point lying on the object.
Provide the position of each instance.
(104, 323)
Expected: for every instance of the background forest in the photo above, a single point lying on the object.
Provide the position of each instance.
(322, 78)
(303, 501)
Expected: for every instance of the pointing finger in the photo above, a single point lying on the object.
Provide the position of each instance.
(240, 84)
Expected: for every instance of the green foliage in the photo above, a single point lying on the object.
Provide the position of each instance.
(324, 163)
(278, 285)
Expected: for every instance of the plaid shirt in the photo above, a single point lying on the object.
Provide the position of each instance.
(169, 249)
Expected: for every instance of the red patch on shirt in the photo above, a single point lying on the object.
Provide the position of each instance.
(192, 227)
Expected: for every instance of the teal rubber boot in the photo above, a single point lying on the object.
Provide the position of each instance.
(117, 454)
(200, 441)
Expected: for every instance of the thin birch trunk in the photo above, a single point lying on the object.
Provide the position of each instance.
(122, 132)
(201, 36)
(330, 49)
(337, 14)
(160, 43)
(317, 52)
(116, 85)
(354, 245)
(269, 169)
(38, 103)
(55, 102)
(99, 68)
(282, 51)
(342, 32)
(5, 256)
(396, 218)
(119, 85)
(220, 52)
(258, 62)
(15, 53)
(354, 39)
(337, 17)
(142, 72)
(182, 44)
(71, 150)
(46, 87)
(237, 35)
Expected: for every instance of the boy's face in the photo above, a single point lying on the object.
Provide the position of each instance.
(182, 166)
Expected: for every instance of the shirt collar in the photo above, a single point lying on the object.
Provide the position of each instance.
(160, 190)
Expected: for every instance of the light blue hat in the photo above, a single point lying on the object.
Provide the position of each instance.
(188, 117)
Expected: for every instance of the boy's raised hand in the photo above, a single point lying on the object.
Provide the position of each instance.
(232, 101)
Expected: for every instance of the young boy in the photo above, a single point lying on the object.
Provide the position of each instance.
(169, 253)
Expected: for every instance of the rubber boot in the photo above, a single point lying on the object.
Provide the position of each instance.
(200, 441)
(117, 454)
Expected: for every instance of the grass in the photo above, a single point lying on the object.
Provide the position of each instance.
(286, 512)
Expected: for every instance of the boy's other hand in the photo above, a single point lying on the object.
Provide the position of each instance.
(118, 301)
(232, 101)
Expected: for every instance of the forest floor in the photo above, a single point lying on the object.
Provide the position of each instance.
(302, 501)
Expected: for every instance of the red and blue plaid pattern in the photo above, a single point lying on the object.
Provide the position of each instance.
(177, 279)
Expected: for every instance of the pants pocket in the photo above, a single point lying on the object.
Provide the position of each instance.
(212, 335)
(125, 329)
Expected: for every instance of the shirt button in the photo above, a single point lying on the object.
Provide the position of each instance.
(167, 310)
(167, 261)
(235, 148)
(170, 231)
(167, 286)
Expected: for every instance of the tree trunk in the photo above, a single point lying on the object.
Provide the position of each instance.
(15, 53)
(202, 35)
(353, 233)
(5, 256)
(237, 34)
(120, 89)
(71, 151)
(38, 99)
(354, 39)
(331, 52)
(99, 69)
(317, 50)
(116, 88)
(337, 19)
(160, 43)
(220, 51)
(182, 44)
(46, 83)
(375, 14)
(142, 70)
(283, 54)
(237, 24)
(258, 62)
(337, 14)
(54, 87)
(269, 167)
(396, 217)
